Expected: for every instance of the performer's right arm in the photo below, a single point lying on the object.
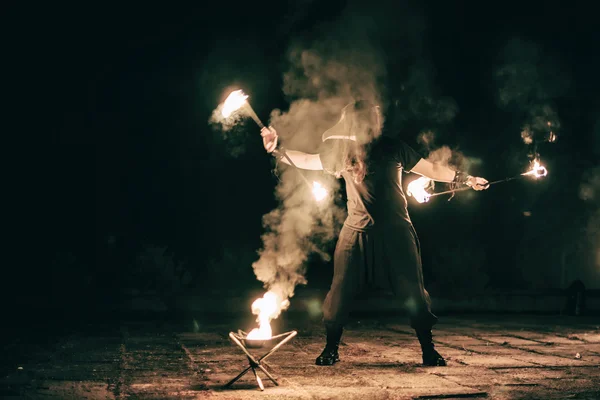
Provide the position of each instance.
(299, 158)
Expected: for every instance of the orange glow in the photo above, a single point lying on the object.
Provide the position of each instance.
(319, 191)
(233, 103)
(266, 308)
(417, 189)
(537, 170)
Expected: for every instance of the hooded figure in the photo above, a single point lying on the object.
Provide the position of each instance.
(359, 125)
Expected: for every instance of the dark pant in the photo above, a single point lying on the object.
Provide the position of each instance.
(387, 255)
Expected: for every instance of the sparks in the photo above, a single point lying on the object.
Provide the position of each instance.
(417, 189)
(319, 191)
(234, 102)
(266, 307)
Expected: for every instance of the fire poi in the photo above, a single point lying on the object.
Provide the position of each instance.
(418, 187)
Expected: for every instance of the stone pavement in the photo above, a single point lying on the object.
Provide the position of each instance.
(495, 357)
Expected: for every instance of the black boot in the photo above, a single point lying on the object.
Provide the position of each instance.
(431, 357)
(330, 355)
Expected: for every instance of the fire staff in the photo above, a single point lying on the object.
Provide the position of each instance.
(378, 243)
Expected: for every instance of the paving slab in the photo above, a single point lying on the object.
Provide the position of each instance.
(498, 357)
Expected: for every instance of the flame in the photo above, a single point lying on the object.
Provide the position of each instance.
(267, 308)
(234, 101)
(417, 188)
(537, 170)
(319, 191)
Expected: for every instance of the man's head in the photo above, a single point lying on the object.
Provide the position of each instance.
(360, 121)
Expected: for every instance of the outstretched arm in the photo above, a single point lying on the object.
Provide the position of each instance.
(433, 171)
(440, 173)
(300, 159)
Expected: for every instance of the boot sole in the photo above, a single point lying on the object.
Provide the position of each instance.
(329, 363)
(435, 365)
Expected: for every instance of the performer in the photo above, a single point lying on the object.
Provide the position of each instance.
(377, 243)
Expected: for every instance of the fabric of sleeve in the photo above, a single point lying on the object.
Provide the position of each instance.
(406, 155)
(328, 155)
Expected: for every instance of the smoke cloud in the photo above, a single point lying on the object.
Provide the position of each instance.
(301, 226)
(420, 101)
(231, 128)
(529, 80)
(226, 123)
(343, 64)
(366, 53)
(321, 80)
(234, 135)
(444, 155)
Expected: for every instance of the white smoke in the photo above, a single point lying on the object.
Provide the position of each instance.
(444, 154)
(301, 226)
(529, 80)
(350, 60)
(323, 76)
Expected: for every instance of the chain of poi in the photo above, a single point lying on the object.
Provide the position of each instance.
(537, 171)
(462, 189)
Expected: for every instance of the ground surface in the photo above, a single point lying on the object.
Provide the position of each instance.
(498, 357)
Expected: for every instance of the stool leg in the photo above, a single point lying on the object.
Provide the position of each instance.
(260, 384)
(254, 363)
(268, 374)
(231, 382)
(274, 349)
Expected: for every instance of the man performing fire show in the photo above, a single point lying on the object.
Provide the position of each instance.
(377, 243)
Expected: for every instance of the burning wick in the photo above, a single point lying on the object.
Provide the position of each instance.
(319, 191)
(417, 189)
(537, 170)
(233, 102)
(266, 307)
(237, 100)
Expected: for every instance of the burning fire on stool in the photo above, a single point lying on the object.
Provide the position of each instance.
(267, 307)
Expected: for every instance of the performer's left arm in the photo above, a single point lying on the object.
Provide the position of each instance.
(440, 173)
(433, 171)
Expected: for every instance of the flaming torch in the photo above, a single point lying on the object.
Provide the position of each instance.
(238, 100)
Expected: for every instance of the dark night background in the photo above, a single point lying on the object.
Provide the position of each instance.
(117, 161)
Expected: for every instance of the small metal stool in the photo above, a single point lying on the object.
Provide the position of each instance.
(243, 343)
